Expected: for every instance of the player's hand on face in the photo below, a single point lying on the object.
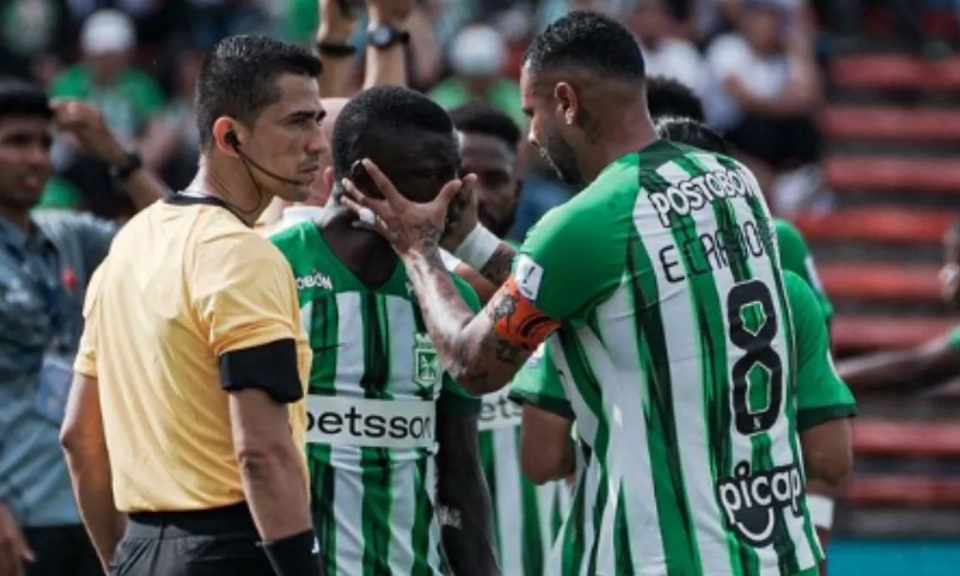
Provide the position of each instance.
(14, 551)
(85, 123)
(461, 219)
(410, 226)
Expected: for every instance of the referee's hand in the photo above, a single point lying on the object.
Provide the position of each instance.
(13, 546)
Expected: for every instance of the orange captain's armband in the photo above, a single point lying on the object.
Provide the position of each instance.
(518, 321)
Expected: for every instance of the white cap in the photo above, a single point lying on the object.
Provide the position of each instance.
(478, 50)
(107, 31)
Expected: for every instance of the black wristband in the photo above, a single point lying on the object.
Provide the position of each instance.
(297, 555)
(336, 50)
(131, 163)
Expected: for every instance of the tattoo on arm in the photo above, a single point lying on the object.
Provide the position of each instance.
(590, 125)
(497, 269)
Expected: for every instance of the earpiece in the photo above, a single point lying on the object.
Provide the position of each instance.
(231, 139)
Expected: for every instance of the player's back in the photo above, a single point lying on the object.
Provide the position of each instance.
(677, 357)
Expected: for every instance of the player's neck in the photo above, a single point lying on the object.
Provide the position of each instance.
(368, 256)
(233, 187)
(632, 132)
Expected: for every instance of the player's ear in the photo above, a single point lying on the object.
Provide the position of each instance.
(567, 102)
(518, 192)
(328, 177)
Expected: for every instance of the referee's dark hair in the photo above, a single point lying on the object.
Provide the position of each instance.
(20, 98)
(483, 119)
(691, 132)
(590, 41)
(238, 78)
(405, 133)
(669, 97)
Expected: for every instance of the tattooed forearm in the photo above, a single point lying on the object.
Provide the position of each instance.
(466, 344)
(498, 267)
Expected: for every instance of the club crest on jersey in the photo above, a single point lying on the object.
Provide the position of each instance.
(426, 364)
(752, 501)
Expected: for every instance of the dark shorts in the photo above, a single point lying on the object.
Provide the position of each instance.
(62, 551)
(217, 542)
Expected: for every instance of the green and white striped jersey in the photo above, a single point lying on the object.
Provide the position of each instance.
(526, 517)
(376, 388)
(679, 363)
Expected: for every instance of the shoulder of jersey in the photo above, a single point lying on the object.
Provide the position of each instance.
(290, 234)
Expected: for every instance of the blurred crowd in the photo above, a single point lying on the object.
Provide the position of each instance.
(756, 63)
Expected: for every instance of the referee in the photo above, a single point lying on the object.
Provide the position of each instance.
(184, 428)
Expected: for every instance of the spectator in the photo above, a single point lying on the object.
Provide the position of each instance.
(666, 52)
(131, 102)
(46, 259)
(478, 57)
(766, 90)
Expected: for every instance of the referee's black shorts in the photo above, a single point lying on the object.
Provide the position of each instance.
(216, 542)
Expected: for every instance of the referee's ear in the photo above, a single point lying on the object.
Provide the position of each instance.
(223, 126)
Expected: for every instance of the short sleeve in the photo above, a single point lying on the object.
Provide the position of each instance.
(538, 384)
(243, 293)
(795, 256)
(821, 394)
(86, 360)
(573, 258)
(953, 338)
(453, 398)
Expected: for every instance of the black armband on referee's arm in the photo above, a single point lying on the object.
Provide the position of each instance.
(297, 555)
(271, 367)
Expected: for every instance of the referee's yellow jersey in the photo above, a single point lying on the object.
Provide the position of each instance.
(185, 282)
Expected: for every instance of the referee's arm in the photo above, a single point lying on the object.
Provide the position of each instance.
(84, 443)
(246, 299)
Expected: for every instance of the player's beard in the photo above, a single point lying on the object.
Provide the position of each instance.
(559, 154)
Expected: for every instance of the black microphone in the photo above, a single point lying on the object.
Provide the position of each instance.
(232, 140)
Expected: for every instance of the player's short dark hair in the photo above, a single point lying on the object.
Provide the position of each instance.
(20, 98)
(379, 113)
(238, 78)
(691, 132)
(587, 40)
(669, 97)
(482, 119)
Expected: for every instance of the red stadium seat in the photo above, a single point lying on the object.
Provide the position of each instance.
(916, 491)
(881, 281)
(876, 225)
(891, 71)
(873, 437)
(868, 173)
(860, 333)
(890, 123)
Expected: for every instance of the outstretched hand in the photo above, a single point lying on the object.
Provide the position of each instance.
(410, 227)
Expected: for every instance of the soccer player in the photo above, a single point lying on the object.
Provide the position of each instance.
(186, 420)
(676, 349)
(668, 98)
(526, 517)
(823, 406)
(924, 366)
(380, 407)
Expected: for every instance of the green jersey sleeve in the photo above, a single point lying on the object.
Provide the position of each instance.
(538, 384)
(796, 257)
(821, 394)
(573, 259)
(954, 338)
(453, 398)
